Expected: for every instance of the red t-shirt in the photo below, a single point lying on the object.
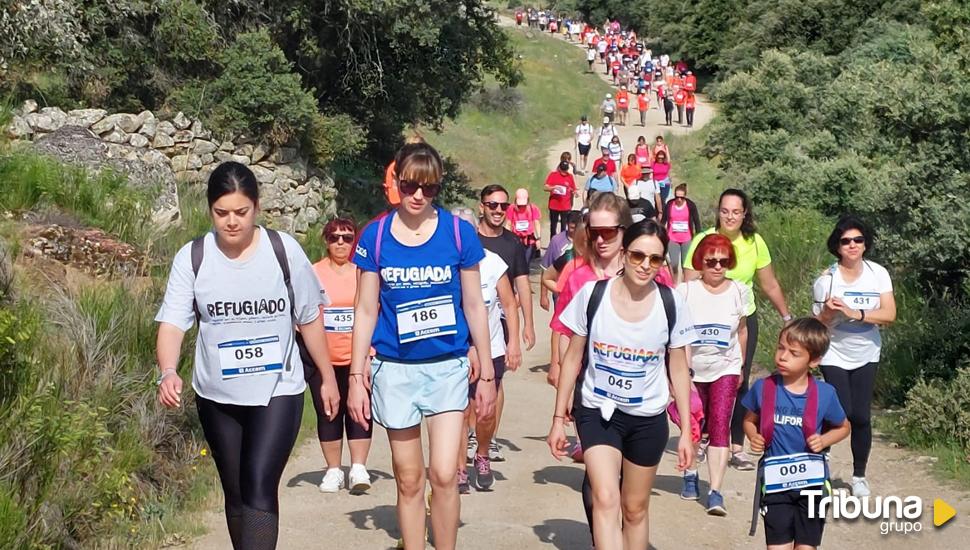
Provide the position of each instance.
(623, 99)
(690, 101)
(610, 166)
(561, 194)
(680, 97)
(690, 82)
(642, 102)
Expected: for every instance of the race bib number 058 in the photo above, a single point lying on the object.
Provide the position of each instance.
(255, 356)
(426, 318)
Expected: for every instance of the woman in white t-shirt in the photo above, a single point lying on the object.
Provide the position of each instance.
(246, 287)
(621, 420)
(718, 307)
(854, 297)
(498, 295)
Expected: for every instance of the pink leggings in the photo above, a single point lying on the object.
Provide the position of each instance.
(718, 398)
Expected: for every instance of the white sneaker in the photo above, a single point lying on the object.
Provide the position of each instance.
(860, 487)
(472, 447)
(333, 480)
(359, 479)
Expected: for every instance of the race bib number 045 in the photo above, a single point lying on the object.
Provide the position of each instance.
(252, 357)
(622, 386)
(426, 318)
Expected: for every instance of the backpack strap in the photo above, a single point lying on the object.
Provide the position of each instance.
(198, 252)
(280, 252)
(595, 299)
(670, 308)
(455, 223)
(766, 420)
(380, 237)
(810, 416)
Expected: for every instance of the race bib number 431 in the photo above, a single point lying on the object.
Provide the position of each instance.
(251, 357)
(861, 300)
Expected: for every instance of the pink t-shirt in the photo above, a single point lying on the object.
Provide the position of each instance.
(523, 219)
(661, 170)
(678, 224)
(579, 277)
(643, 155)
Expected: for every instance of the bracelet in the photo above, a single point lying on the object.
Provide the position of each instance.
(862, 314)
(360, 374)
(559, 416)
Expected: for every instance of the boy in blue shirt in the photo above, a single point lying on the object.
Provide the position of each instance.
(785, 415)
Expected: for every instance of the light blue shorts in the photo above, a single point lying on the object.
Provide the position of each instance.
(404, 393)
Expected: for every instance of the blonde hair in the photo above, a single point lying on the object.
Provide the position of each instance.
(609, 202)
(418, 162)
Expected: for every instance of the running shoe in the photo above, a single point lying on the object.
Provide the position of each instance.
(690, 492)
(741, 461)
(494, 453)
(472, 447)
(463, 487)
(359, 479)
(702, 451)
(860, 487)
(715, 504)
(333, 480)
(483, 469)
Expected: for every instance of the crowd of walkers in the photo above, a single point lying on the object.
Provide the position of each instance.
(413, 320)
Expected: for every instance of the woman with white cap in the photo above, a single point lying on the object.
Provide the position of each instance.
(607, 133)
(609, 108)
(523, 219)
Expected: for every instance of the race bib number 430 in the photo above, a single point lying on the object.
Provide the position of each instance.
(251, 357)
(426, 318)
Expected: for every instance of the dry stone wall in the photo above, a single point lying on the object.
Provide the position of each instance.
(294, 194)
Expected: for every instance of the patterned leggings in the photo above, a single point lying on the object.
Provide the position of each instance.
(718, 398)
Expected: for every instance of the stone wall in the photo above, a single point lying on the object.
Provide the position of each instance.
(294, 194)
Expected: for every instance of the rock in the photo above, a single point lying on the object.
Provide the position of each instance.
(296, 170)
(302, 189)
(263, 175)
(270, 198)
(311, 214)
(223, 156)
(207, 159)
(181, 163)
(260, 152)
(40, 122)
(300, 223)
(181, 121)
(138, 140)
(183, 136)
(81, 147)
(284, 222)
(28, 107)
(162, 140)
(202, 147)
(152, 156)
(115, 136)
(227, 146)
(285, 184)
(19, 129)
(149, 128)
(146, 117)
(199, 131)
(165, 127)
(245, 150)
(90, 250)
(294, 201)
(926, 460)
(85, 117)
(284, 155)
(122, 121)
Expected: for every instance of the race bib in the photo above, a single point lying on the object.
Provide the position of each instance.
(679, 227)
(338, 319)
(252, 357)
(795, 471)
(426, 318)
(861, 300)
(713, 334)
(559, 190)
(522, 225)
(622, 386)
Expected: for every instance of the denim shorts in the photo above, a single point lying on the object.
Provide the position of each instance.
(404, 393)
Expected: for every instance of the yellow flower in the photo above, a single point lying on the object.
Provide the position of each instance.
(203, 452)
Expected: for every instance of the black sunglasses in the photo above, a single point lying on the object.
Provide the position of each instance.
(608, 233)
(429, 190)
(844, 241)
(345, 237)
(711, 263)
(493, 205)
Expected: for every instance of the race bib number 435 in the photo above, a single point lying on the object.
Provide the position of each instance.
(338, 319)
(251, 357)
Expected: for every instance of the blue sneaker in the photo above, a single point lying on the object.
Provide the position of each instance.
(689, 492)
(715, 504)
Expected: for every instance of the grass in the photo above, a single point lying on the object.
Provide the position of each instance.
(511, 148)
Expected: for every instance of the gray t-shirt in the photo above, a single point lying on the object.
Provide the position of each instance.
(245, 351)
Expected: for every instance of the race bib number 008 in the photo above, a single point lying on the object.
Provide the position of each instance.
(861, 300)
(252, 357)
(426, 318)
(783, 473)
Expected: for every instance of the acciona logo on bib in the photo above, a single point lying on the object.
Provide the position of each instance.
(422, 274)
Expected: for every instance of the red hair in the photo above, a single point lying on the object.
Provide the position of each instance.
(715, 242)
(338, 224)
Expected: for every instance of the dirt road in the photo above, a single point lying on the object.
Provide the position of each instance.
(536, 502)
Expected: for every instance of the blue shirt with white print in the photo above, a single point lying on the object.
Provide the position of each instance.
(788, 437)
(420, 313)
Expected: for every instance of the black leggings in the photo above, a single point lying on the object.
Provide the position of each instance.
(250, 445)
(331, 430)
(557, 217)
(854, 388)
(737, 419)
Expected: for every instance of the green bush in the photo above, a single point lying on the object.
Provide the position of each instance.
(938, 412)
(333, 137)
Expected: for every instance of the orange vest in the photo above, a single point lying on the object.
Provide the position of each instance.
(690, 82)
(390, 188)
(623, 98)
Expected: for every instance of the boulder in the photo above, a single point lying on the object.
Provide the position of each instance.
(260, 152)
(181, 121)
(149, 128)
(19, 129)
(166, 128)
(85, 117)
(162, 140)
(202, 147)
(223, 156)
(263, 175)
(125, 122)
(138, 140)
(183, 136)
(181, 163)
(79, 146)
(227, 146)
(244, 150)
(28, 107)
(115, 136)
(39, 122)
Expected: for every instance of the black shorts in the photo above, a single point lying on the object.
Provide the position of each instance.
(584, 149)
(498, 363)
(640, 439)
(786, 519)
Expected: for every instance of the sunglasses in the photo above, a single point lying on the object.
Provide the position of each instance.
(844, 241)
(341, 237)
(607, 233)
(492, 205)
(711, 263)
(429, 190)
(637, 258)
